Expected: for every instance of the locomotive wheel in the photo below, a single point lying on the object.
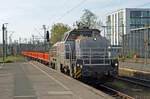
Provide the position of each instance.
(61, 68)
(53, 65)
(68, 72)
(65, 70)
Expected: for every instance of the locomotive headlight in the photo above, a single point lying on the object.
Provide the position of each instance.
(116, 64)
(81, 66)
(94, 39)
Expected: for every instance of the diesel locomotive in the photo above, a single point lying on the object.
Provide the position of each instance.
(84, 53)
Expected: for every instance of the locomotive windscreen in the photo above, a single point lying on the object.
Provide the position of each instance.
(76, 33)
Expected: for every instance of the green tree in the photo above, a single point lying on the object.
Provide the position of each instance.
(89, 19)
(58, 31)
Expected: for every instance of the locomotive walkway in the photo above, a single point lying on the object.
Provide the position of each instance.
(27, 80)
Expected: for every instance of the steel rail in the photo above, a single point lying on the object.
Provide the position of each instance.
(115, 93)
(141, 82)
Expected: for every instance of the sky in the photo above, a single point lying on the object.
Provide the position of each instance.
(26, 17)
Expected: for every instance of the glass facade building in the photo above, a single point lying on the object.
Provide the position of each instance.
(122, 21)
(139, 19)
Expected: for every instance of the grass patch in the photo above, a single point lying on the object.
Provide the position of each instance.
(11, 59)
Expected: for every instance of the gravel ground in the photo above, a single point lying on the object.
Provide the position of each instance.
(131, 89)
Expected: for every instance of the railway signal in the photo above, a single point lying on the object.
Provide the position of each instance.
(47, 36)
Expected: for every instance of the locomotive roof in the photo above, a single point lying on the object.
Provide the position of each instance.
(90, 31)
(81, 30)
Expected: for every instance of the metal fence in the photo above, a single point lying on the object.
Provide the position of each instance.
(137, 42)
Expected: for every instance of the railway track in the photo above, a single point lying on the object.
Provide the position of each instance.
(140, 82)
(115, 93)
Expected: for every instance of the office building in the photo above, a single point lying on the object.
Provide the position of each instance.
(122, 21)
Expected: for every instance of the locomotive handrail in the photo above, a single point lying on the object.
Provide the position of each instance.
(96, 58)
(102, 55)
(95, 64)
(89, 51)
(87, 54)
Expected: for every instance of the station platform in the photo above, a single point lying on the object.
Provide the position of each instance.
(30, 80)
(136, 66)
(138, 70)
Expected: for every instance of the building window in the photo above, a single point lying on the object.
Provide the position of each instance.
(134, 14)
(139, 19)
(145, 13)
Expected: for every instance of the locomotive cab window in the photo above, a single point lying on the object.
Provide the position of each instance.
(76, 35)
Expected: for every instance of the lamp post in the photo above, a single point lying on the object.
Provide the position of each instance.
(4, 40)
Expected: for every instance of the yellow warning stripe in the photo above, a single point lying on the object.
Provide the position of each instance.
(79, 71)
(78, 75)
